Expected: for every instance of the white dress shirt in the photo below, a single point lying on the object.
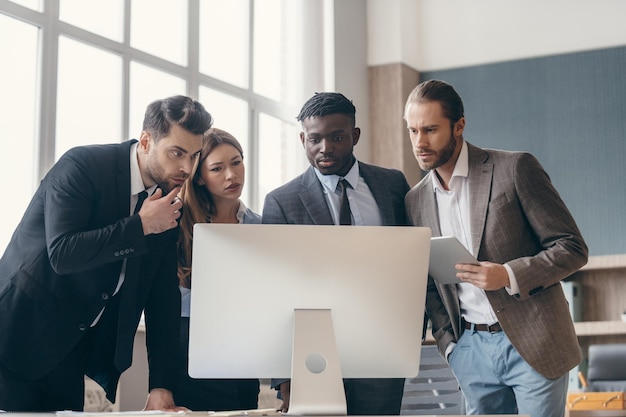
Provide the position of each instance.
(454, 220)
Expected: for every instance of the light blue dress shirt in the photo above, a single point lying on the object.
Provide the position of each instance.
(365, 211)
(244, 216)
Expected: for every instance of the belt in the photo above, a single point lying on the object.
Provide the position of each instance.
(494, 328)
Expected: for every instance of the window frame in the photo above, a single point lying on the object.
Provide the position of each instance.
(51, 28)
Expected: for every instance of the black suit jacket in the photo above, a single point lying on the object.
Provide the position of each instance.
(62, 266)
(302, 201)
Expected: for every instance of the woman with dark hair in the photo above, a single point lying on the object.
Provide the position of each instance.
(211, 195)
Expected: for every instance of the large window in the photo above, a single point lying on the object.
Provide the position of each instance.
(78, 72)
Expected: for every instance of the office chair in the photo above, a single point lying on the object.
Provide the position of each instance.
(607, 367)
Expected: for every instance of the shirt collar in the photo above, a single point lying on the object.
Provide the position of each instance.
(136, 182)
(461, 168)
(241, 212)
(330, 181)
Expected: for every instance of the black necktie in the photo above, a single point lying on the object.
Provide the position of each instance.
(345, 215)
(140, 199)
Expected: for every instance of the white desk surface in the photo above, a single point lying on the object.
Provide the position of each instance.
(206, 413)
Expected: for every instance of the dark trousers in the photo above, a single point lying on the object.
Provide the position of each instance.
(365, 396)
(63, 388)
(211, 394)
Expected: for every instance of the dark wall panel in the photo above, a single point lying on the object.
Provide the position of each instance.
(570, 112)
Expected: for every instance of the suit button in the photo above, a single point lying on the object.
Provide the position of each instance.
(105, 296)
(132, 250)
(82, 327)
(127, 251)
(117, 253)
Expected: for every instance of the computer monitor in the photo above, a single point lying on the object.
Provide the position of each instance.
(359, 293)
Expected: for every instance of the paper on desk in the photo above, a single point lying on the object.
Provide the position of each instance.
(120, 413)
(234, 413)
(254, 412)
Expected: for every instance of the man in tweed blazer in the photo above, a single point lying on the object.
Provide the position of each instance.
(376, 198)
(506, 330)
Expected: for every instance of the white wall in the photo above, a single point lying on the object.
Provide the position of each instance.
(442, 34)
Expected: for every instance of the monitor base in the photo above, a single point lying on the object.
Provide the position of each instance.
(316, 379)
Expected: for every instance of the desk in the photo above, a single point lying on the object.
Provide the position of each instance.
(595, 413)
(204, 414)
(600, 328)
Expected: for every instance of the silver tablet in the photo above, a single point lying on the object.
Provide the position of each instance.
(445, 252)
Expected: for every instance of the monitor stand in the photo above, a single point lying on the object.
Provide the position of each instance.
(316, 380)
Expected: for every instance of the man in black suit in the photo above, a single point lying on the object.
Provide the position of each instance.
(81, 267)
(375, 196)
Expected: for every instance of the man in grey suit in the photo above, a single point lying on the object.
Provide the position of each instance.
(88, 257)
(506, 329)
(375, 198)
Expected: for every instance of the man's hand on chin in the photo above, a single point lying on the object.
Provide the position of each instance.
(162, 399)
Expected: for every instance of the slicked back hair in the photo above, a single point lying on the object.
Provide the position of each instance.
(436, 90)
(180, 110)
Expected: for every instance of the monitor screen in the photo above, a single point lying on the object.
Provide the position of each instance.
(248, 279)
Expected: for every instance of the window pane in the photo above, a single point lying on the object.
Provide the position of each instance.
(146, 85)
(89, 98)
(18, 110)
(231, 114)
(275, 63)
(224, 30)
(104, 17)
(281, 156)
(160, 29)
(31, 4)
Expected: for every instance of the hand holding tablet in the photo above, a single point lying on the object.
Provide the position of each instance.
(445, 252)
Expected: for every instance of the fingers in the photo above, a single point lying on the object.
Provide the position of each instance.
(158, 193)
(173, 194)
(162, 212)
(176, 203)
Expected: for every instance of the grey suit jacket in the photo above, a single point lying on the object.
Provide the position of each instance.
(302, 201)
(517, 217)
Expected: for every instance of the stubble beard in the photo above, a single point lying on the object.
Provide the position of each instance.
(157, 174)
(443, 156)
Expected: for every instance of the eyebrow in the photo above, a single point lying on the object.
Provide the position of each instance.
(334, 132)
(430, 126)
(222, 163)
(180, 149)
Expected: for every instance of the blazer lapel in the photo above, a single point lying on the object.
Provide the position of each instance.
(313, 199)
(379, 190)
(480, 180)
(431, 213)
(123, 179)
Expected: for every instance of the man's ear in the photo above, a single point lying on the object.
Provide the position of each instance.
(459, 126)
(145, 140)
(356, 134)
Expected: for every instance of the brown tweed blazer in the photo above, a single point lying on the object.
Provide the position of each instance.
(517, 217)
